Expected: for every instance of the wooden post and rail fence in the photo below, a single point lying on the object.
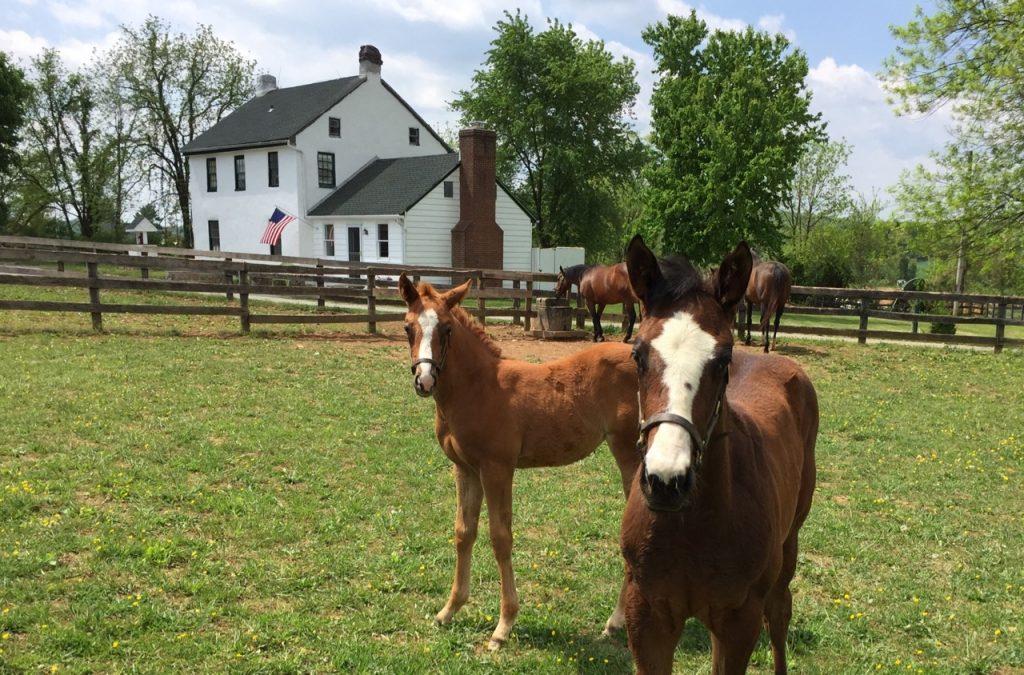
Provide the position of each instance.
(225, 284)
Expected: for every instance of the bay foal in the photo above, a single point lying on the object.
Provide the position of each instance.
(710, 527)
(494, 415)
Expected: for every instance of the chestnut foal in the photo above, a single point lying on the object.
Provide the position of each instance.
(710, 527)
(494, 415)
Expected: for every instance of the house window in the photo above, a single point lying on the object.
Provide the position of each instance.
(414, 135)
(273, 174)
(329, 240)
(334, 127)
(382, 240)
(211, 174)
(239, 172)
(214, 227)
(449, 189)
(325, 169)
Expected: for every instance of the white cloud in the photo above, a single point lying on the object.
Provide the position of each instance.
(714, 21)
(21, 45)
(774, 23)
(853, 103)
(456, 14)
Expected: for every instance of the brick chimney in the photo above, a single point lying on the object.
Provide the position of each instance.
(477, 241)
(370, 62)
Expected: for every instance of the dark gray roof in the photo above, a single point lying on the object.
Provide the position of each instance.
(387, 186)
(273, 118)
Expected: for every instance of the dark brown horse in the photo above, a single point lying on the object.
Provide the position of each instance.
(600, 285)
(711, 523)
(494, 415)
(769, 286)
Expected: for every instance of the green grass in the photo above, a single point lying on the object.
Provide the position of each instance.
(174, 497)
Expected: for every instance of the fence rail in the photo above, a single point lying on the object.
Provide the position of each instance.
(366, 294)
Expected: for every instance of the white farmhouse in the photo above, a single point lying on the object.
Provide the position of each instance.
(364, 176)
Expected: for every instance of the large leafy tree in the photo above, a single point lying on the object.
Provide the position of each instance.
(181, 85)
(969, 209)
(819, 191)
(14, 97)
(70, 163)
(730, 114)
(561, 108)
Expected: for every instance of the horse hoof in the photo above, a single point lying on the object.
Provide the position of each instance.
(494, 645)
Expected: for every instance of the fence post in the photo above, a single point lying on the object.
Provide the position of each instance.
(145, 270)
(371, 301)
(243, 298)
(481, 302)
(528, 321)
(517, 317)
(60, 266)
(914, 309)
(320, 303)
(229, 277)
(94, 296)
(1001, 326)
(861, 337)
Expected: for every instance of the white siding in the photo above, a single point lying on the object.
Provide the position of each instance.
(243, 214)
(429, 226)
(518, 231)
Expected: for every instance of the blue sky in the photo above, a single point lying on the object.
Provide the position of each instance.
(431, 48)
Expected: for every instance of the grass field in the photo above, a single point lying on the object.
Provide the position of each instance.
(175, 498)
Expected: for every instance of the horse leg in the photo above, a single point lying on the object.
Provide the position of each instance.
(497, 483)
(468, 495)
(595, 313)
(764, 325)
(775, 335)
(596, 318)
(778, 608)
(750, 314)
(623, 447)
(631, 315)
(733, 638)
(653, 636)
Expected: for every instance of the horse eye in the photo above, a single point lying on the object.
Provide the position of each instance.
(410, 333)
(641, 359)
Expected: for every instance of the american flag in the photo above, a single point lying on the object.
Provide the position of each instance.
(275, 226)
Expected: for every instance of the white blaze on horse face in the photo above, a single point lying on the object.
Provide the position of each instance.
(685, 348)
(428, 323)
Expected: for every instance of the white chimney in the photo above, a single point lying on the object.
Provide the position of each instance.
(265, 83)
(369, 62)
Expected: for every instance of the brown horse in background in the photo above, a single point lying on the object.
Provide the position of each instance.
(494, 415)
(769, 287)
(600, 285)
(711, 523)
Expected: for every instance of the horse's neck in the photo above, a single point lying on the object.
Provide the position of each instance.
(467, 364)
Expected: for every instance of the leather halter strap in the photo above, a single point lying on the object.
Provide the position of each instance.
(438, 366)
(700, 441)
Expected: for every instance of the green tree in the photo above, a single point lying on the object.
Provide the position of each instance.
(967, 55)
(14, 96)
(561, 108)
(181, 85)
(730, 118)
(819, 192)
(71, 161)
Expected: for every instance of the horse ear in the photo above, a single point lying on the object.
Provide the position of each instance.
(642, 265)
(561, 270)
(733, 276)
(408, 290)
(457, 294)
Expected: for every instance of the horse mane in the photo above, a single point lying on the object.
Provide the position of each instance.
(574, 273)
(465, 318)
(681, 279)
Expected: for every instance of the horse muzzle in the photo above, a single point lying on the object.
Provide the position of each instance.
(672, 496)
(424, 373)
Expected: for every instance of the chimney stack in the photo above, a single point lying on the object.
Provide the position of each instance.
(369, 62)
(265, 83)
(477, 241)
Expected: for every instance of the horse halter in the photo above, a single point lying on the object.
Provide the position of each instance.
(701, 442)
(438, 366)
